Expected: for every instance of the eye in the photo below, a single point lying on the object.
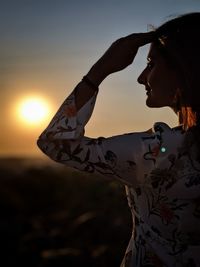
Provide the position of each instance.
(150, 65)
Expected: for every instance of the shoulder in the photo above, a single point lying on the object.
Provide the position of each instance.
(164, 127)
(164, 130)
(170, 139)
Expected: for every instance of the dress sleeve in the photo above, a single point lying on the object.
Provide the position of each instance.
(126, 157)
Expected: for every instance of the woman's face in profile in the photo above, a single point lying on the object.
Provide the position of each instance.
(160, 80)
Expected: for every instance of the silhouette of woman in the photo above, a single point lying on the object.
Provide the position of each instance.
(160, 168)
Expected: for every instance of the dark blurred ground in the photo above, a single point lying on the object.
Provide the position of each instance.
(51, 216)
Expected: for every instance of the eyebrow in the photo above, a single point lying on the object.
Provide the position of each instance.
(149, 59)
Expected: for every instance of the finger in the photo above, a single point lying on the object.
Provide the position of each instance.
(141, 39)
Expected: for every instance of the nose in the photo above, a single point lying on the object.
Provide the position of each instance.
(142, 79)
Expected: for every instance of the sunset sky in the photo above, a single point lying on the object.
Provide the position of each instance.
(48, 45)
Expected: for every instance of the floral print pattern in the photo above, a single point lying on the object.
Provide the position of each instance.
(161, 178)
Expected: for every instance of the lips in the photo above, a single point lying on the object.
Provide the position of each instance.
(148, 89)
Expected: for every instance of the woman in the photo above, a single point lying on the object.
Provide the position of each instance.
(160, 167)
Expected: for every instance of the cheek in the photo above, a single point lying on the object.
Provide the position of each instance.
(163, 82)
(155, 78)
(163, 91)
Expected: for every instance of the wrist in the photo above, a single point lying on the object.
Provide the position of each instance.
(96, 76)
(90, 83)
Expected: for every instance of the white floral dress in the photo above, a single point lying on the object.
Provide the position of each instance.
(162, 182)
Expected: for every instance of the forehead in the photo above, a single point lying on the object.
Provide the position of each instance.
(153, 52)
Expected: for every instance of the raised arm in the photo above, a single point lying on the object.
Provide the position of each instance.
(64, 141)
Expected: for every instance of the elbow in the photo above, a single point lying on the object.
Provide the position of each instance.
(42, 144)
(55, 149)
(47, 147)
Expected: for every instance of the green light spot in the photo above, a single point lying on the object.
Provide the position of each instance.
(163, 149)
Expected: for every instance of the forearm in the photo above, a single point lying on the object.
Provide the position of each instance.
(72, 116)
(88, 86)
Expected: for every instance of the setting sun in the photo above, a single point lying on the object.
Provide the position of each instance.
(33, 110)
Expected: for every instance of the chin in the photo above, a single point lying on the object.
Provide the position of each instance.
(150, 103)
(153, 104)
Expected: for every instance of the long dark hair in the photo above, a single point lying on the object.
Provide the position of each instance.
(179, 41)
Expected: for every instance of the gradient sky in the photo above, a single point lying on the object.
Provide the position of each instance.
(48, 45)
